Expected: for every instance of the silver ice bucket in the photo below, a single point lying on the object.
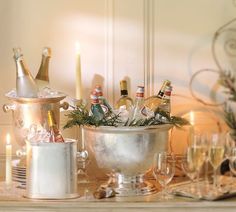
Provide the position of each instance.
(52, 170)
(32, 111)
(127, 153)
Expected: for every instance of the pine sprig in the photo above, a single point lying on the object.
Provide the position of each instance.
(227, 80)
(230, 120)
(80, 116)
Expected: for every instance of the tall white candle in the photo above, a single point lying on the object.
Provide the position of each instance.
(191, 129)
(78, 82)
(8, 160)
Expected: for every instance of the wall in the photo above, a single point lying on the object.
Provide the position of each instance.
(144, 41)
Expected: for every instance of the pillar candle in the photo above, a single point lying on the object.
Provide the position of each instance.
(78, 83)
(8, 160)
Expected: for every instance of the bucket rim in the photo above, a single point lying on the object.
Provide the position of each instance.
(67, 141)
(161, 127)
(53, 99)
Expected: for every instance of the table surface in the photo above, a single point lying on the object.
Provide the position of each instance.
(14, 200)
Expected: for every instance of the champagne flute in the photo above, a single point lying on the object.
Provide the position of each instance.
(163, 171)
(195, 159)
(216, 155)
(190, 171)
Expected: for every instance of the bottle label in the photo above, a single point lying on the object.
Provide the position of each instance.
(104, 108)
(140, 95)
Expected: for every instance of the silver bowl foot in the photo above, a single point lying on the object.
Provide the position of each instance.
(130, 186)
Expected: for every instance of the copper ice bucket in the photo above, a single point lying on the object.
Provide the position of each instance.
(32, 111)
(127, 153)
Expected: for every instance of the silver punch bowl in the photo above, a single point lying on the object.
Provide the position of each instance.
(127, 153)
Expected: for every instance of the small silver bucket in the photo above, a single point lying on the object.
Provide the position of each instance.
(51, 170)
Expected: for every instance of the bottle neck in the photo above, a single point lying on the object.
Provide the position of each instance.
(124, 92)
(167, 95)
(94, 101)
(21, 68)
(43, 70)
(139, 95)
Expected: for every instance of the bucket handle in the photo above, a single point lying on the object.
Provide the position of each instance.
(8, 107)
(82, 155)
(64, 105)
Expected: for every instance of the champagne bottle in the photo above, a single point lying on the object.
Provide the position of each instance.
(138, 105)
(42, 77)
(55, 135)
(25, 84)
(102, 100)
(125, 102)
(96, 109)
(152, 103)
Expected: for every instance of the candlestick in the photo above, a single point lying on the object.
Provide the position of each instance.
(78, 83)
(8, 161)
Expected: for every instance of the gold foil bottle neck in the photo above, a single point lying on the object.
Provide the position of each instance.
(44, 66)
(47, 52)
(166, 83)
(123, 85)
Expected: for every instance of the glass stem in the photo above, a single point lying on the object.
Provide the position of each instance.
(192, 186)
(198, 183)
(215, 179)
(164, 191)
(206, 171)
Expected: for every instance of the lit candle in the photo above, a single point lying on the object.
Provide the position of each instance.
(191, 119)
(8, 160)
(78, 83)
(191, 129)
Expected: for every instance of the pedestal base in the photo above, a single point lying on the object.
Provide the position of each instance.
(130, 186)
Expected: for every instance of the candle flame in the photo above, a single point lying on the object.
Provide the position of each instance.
(77, 47)
(8, 138)
(191, 118)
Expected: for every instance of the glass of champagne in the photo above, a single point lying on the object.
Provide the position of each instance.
(163, 171)
(216, 155)
(190, 170)
(195, 159)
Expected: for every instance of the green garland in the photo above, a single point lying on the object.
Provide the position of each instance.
(227, 80)
(80, 116)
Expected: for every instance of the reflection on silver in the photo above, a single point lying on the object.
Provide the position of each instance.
(127, 153)
(51, 170)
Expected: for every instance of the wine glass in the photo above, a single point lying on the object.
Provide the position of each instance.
(216, 155)
(195, 157)
(163, 171)
(190, 171)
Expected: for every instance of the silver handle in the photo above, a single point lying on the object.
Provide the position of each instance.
(64, 105)
(82, 155)
(8, 107)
